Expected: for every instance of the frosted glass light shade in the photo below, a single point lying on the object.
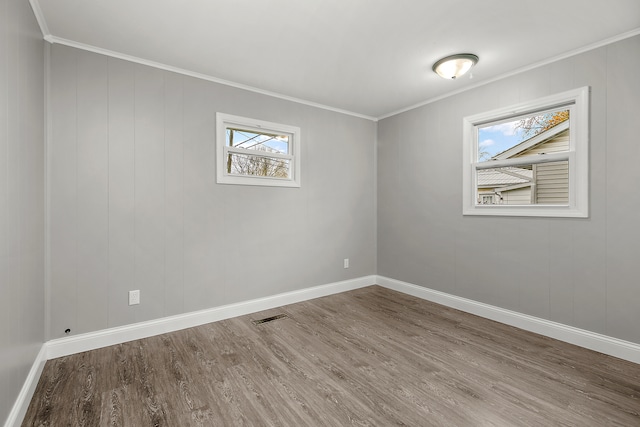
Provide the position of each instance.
(455, 66)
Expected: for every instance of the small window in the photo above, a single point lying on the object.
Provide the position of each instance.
(255, 152)
(530, 159)
(486, 199)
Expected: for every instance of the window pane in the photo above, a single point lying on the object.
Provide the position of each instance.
(546, 132)
(244, 164)
(251, 140)
(541, 184)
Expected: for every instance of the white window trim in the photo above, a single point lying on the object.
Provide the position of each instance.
(577, 101)
(223, 121)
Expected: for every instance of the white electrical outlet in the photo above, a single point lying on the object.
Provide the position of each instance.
(134, 297)
(346, 263)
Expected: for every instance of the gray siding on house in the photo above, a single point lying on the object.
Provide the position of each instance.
(21, 197)
(552, 179)
(519, 196)
(556, 144)
(552, 183)
(589, 279)
(135, 205)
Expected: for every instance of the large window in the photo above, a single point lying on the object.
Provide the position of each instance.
(255, 152)
(530, 159)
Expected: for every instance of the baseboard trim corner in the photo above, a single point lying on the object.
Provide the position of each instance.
(19, 409)
(112, 336)
(593, 341)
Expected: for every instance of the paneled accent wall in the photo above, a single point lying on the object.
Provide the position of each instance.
(21, 197)
(580, 272)
(135, 205)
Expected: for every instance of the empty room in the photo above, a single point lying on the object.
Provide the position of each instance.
(319, 213)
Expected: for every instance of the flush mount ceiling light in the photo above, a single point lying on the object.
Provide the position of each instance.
(455, 66)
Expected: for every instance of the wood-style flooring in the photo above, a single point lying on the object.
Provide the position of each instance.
(366, 357)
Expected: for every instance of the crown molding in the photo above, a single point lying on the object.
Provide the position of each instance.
(46, 34)
(58, 40)
(553, 59)
(35, 5)
(42, 23)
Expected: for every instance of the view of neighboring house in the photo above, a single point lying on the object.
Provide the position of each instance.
(545, 183)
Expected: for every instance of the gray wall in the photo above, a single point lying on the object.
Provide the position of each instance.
(21, 197)
(578, 272)
(134, 203)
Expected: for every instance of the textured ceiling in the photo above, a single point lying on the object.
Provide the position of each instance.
(370, 57)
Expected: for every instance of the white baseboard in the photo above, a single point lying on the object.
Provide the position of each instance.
(90, 341)
(591, 340)
(604, 344)
(21, 404)
(106, 337)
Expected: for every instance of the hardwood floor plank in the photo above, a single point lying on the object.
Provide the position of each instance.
(112, 413)
(368, 357)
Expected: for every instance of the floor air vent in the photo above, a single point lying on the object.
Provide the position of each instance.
(269, 319)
